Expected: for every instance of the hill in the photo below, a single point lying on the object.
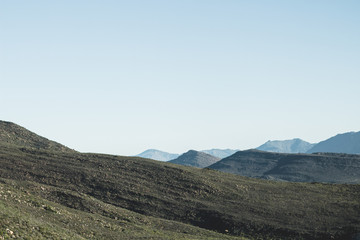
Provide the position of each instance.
(331, 168)
(341, 143)
(220, 153)
(29, 210)
(158, 155)
(69, 195)
(295, 145)
(195, 159)
(13, 134)
(99, 187)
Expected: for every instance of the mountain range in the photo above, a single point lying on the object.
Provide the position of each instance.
(341, 143)
(165, 156)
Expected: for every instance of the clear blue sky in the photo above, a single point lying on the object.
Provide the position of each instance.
(124, 76)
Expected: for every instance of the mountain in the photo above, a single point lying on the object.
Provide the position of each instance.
(220, 153)
(195, 159)
(70, 195)
(158, 155)
(11, 133)
(327, 167)
(295, 145)
(341, 143)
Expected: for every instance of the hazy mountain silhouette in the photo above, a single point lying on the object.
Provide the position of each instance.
(195, 159)
(158, 155)
(295, 145)
(220, 153)
(326, 167)
(341, 143)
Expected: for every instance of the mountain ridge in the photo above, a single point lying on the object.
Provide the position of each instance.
(322, 167)
(348, 142)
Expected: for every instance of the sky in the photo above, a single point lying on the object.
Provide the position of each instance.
(120, 77)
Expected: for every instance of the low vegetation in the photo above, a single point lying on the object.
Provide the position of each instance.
(24, 214)
(51, 193)
(90, 185)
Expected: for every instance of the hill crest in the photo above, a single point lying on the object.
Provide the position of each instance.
(13, 134)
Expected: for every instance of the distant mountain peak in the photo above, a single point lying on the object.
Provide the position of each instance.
(195, 159)
(295, 145)
(158, 155)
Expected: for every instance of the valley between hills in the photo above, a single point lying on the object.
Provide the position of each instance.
(49, 191)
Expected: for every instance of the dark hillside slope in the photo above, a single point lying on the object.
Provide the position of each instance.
(201, 197)
(330, 168)
(250, 163)
(341, 143)
(195, 159)
(13, 134)
(32, 211)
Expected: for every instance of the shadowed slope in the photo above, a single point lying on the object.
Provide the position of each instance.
(331, 168)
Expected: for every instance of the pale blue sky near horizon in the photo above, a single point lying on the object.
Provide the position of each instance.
(121, 77)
